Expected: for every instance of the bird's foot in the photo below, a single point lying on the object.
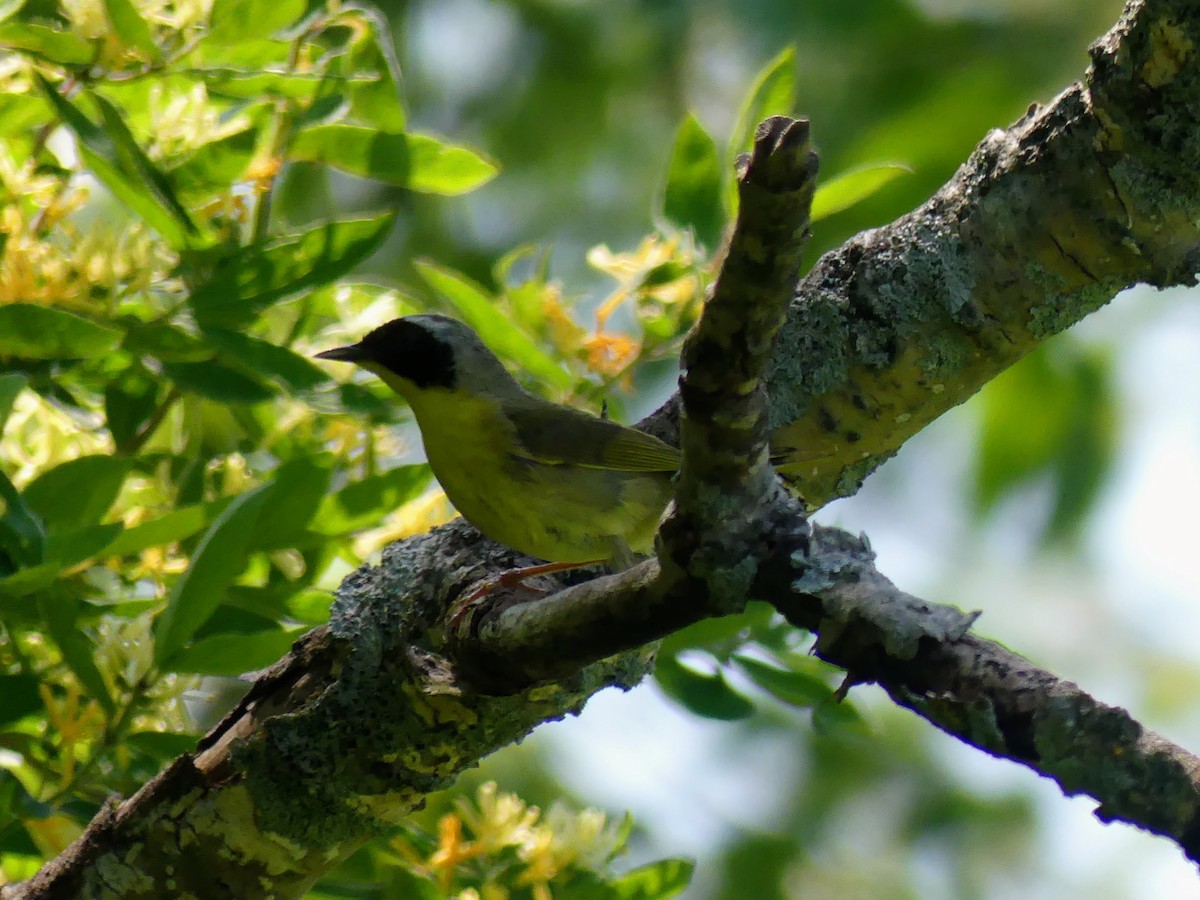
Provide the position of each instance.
(509, 578)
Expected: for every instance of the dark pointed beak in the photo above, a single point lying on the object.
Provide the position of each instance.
(353, 353)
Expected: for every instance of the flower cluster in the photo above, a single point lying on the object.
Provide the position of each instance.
(497, 847)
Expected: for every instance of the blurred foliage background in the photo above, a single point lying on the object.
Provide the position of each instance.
(557, 174)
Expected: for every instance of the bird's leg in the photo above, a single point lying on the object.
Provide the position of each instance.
(506, 579)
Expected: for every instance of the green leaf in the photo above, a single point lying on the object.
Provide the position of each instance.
(234, 654)
(833, 717)
(11, 385)
(218, 560)
(364, 503)
(803, 689)
(478, 309)
(854, 186)
(295, 493)
(309, 606)
(234, 21)
(414, 161)
(42, 332)
(218, 382)
(161, 745)
(131, 28)
(213, 167)
(1051, 416)
(19, 697)
(166, 342)
(706, 694)
(77, 493)
(692, 196)
(773, 93)
(255, 84)
(266, 360)
(22, 114)
(130, 400)
(22, 535)
(63, 47)
(166, 529)
(655, 881)
(119, 162)
(1086, 454)
(255, 277)
(63, 551)
(719, 636)
(376, 103)
(60, 612)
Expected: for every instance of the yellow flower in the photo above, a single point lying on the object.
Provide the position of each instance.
(497, 819)
(611, 354)
(566, 840)
(452, 850)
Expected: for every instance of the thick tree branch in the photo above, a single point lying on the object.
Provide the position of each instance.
(1045, 223)
(991, 698)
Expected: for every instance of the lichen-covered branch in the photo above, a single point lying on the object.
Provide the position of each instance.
(1045, 223)
(988, 696)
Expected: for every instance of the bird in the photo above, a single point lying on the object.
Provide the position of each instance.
(545, 479)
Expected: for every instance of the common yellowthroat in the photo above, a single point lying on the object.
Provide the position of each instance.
(542, 478)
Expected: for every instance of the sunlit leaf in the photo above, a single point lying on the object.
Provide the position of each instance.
(375, 103)
(849, 188)
(211, 168)
(258, 276)
(415, 161)
(234, 654)
(296, 490)
(773, 93)
(266, 360)
(77, 493)
(131, 28)
(254, 84)
(20, 114)
(364, 503)
(166, 529)
(478, 309)
(113, 156)
(63, 47)
(654, 881)
(63, 551)
(43, 332)
(234, 21)
(218, 382)
(692, 195)
(218, 560)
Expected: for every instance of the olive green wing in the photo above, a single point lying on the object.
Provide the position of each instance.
(559, 435)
